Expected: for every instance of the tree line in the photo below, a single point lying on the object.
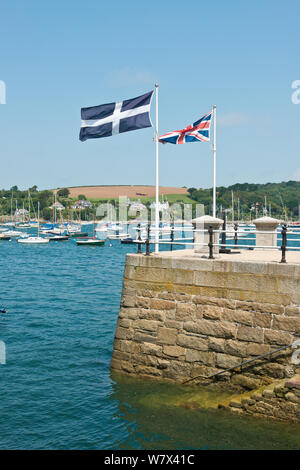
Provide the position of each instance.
(250, 199)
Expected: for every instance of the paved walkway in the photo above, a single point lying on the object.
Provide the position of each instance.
(258, 255)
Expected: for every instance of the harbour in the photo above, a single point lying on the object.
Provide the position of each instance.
(57, 390)
(149, 231)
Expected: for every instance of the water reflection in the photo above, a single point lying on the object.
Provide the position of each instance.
(164, 416)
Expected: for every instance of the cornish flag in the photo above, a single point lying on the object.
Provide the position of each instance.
(197, 132)
(114, 118)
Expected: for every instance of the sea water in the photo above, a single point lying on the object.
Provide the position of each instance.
(56, 388)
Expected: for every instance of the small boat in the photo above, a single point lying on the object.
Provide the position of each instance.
(3, 236)
(78, 235)
(128, 240)
(90, 241)
(13, 233)
(58, 238)
(33, 240)
(24, 225)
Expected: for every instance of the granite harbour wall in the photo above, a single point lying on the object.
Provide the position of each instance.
(183, 316)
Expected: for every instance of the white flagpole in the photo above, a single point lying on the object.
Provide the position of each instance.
(215, 160)
(156, 175)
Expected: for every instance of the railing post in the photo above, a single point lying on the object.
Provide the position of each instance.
(172, 237)
(211, 242)
(283, 244)
(139, 250)
(148, 240)
(224, 232)
(235, 235)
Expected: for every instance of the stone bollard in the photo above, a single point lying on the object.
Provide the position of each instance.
(203, 223)
(266, 224)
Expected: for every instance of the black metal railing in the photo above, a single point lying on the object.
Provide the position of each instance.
(240, 365)
(222, 245)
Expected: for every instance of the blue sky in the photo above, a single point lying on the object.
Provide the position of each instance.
(59, 56)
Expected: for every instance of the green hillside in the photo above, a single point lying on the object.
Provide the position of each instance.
(281, 198)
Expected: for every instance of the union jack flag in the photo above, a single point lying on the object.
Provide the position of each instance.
(197, 132)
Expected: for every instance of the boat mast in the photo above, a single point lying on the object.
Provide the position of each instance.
(11, 209)
(29, 205)
(38, 218)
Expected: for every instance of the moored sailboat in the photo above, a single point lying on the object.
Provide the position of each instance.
(35, 240)
(90, 241)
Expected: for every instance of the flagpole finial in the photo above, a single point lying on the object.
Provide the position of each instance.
(156, 85)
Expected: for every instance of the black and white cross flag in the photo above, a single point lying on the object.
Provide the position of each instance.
(114, 118)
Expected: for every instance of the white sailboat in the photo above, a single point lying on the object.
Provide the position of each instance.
(35, 240)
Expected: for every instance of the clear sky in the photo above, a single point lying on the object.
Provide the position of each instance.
(61, 55)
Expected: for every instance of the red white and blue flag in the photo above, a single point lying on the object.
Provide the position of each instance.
(197, 132)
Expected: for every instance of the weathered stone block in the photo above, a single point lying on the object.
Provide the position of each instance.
(174, 351)
(146, 325)
(201, 357)
(268, 393)
(256, 396)
(249, 383)
(216, 344)
(211, 328)
(255, 349)
(247, 401)
(243, 305)
(193, 342)
(238, 316)
(236, 348)
(277, 337)
(160, 304)
(124, 322)
(143, 302)
(286, 324)
(246, 333)
(292, 397)
(151, 349)
(144, 370)
(166, 336)
(292, 311)
(235, 404)
(150, 314)
(141, 337)
(293, 383)
(184, 276)
(185, 311)
(177, 370)
(211, 312)
(173, 324)
(146, 293)
(262, 320)
(277, 371)
(124, 333)
(225, 361)
(128, 301)
(131, 313)
(268, 308)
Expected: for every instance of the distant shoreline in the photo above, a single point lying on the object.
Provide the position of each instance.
(116, 191)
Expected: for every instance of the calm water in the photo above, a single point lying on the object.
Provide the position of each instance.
(56, 390)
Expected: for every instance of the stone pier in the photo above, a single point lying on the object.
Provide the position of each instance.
(183, 315)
